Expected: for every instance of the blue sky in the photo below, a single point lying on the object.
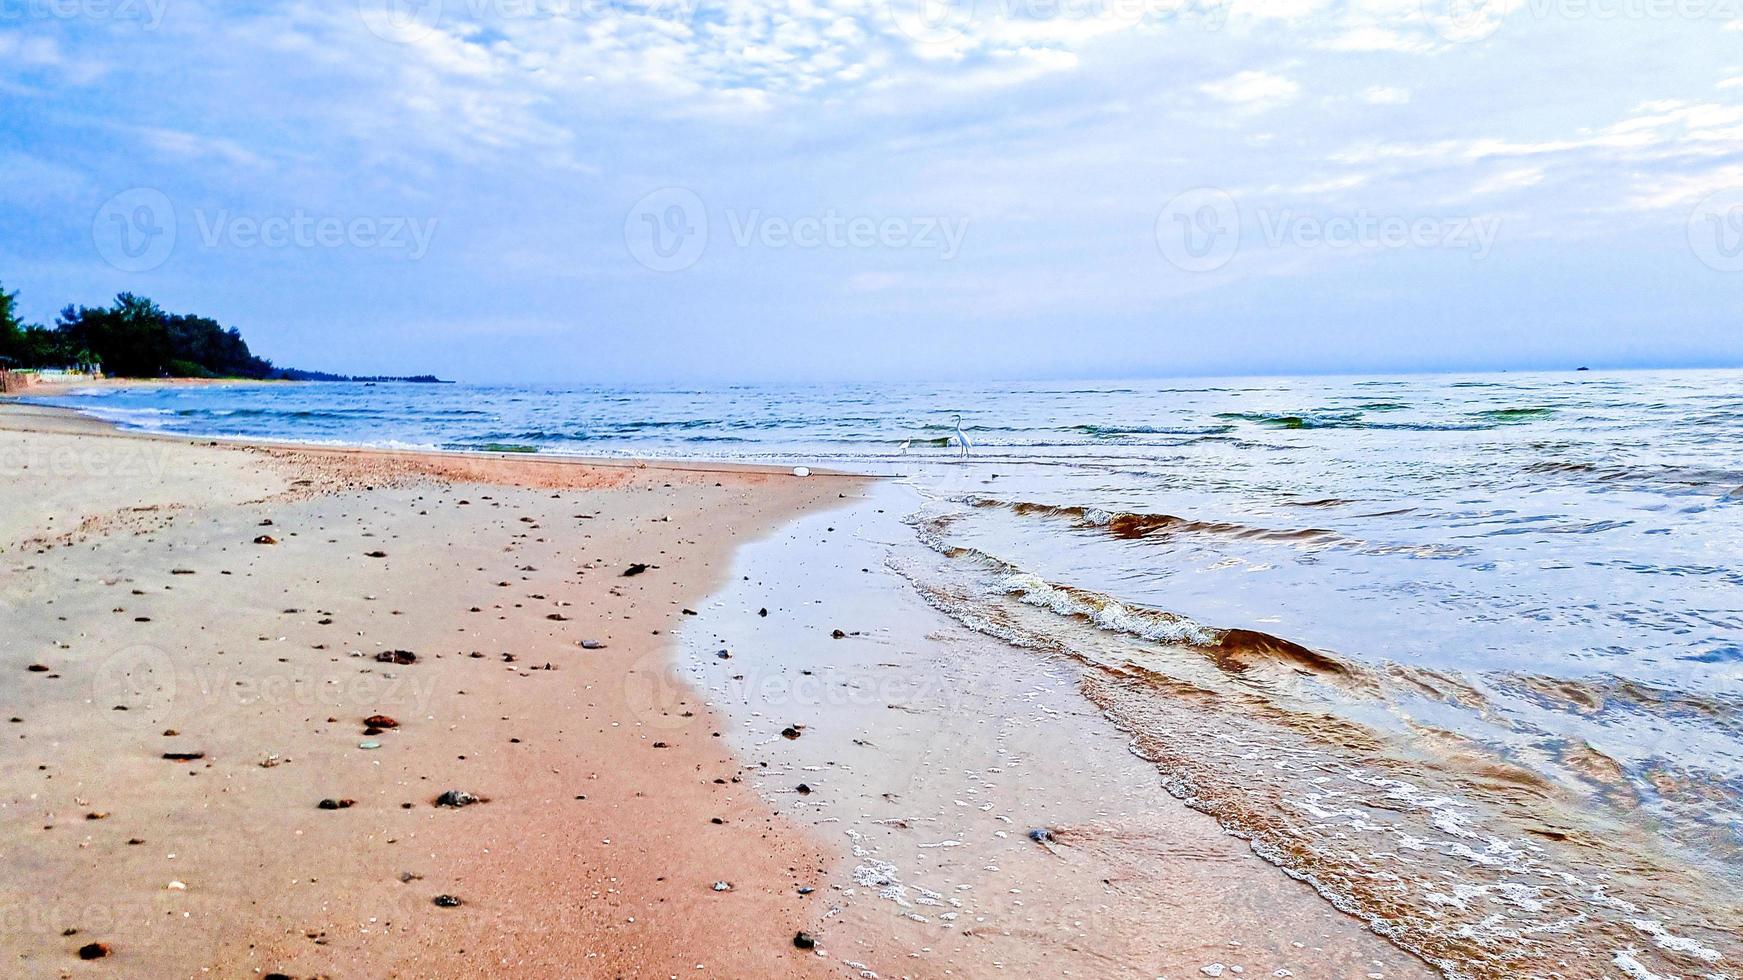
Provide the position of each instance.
(718, 189)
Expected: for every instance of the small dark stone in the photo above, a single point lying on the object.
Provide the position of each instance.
(380, 721)
(184, 756)
(37, 669)
(635, 569)
(329, 804)
(447, 901)
(803, 940)
(804, 790)
(791, 731)
(839, 635)
(93, 951)
(375, 554)
(1041, 835)
(266, 539)
(396, 657)
(458, 798)
(762, 612)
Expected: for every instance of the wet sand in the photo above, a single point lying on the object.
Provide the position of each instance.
(615, 795)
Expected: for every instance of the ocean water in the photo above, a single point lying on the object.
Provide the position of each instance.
(1463, 652)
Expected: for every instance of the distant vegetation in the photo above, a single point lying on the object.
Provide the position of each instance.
(135, 338)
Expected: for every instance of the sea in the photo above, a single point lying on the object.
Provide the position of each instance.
(1463, 652)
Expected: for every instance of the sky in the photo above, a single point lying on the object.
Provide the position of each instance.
(722, 190)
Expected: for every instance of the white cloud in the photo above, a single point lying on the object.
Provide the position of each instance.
(1253, 89)
(1384, 95)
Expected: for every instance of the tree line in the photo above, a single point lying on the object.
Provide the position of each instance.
(133, 338)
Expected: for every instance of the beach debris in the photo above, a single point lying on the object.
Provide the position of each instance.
(803, 789)
(803, 940)
(181, 571)
(806, 889)
(331, 804)
(635, 569)
(838, 635)
(1041, 835)
(93, 951)
(723, 886)
(97, 815)
(266, 539)
(557, 617)
(801, 471)
(407, 877)
(375, 554)
(723, 654)
(184, 756)
(177, 886)
(592, 645)
(792, 731)
(369, 744)
(38, 668)
(379, 722)
(401, 657)
(447, 901)
(458, 798)
(763, 612)
(1212, 969)
(272, 759)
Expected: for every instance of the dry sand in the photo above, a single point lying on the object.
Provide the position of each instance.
(130, 573)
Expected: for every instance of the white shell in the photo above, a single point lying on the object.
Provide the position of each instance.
(801, 471)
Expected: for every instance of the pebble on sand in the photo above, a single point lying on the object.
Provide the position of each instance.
(93, 951)
(447, 901)
(803, 940)
(458, 798)
(266, 539)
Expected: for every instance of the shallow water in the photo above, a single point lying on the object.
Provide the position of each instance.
(1466, 653)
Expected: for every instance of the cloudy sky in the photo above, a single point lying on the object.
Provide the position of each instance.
(726, 189)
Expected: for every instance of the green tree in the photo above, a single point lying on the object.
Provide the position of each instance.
(11, 331)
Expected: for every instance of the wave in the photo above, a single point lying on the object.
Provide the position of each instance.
(1483, 866)
(1515, 414)
(1132, 526)
(1727, 481)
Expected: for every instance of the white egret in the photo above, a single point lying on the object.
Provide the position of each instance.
(961, 440)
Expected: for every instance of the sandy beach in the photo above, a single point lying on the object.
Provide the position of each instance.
(244, 676)
(132, 574)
